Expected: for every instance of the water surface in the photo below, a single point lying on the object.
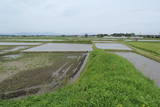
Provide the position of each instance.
(148, 67)
(112, 46)
(61, 47)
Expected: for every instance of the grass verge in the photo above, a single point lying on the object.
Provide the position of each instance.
(108, 80)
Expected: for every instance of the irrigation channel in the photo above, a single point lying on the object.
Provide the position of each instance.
(29, 82)
(148, 67)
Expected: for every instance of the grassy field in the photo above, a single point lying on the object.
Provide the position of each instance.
(108, 80)
(153, 47)
(148, 49)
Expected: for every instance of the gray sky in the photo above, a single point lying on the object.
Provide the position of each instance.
(80, 16)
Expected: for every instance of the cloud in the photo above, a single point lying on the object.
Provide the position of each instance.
(80, 16)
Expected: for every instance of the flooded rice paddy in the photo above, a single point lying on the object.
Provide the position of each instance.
(112, 46)
(36, 40)
(61, 47)
(148, 67)
(38, 73)
(14, 56)
(18, 43)
(12, 49)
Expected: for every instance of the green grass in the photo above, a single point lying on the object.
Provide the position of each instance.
(108, 80)
(153, 47)
(147, 49)
(6, 47)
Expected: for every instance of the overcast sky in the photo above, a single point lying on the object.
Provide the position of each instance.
(80, 16)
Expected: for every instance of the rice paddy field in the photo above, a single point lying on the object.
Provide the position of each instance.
(5, 47)
(32, 73)
(11, 49)
(108, 80)
(148, 49)
(48, 39)
(45, 78)
(153, 47)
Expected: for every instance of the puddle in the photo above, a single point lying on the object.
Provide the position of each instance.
(148, 67)
(72, 57)
(16, 48)
(112, 46)
(12, 56)
(61, 47)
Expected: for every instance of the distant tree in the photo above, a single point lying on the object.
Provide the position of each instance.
(100, 35)
(130, 34)
(63, 35)
(105, 34)
(86, 35)
(75, 35)
(123, 34)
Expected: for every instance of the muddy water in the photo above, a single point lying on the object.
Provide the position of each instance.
(148, 67)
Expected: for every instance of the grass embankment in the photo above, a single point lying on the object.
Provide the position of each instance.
(108, 80)
(148, 49)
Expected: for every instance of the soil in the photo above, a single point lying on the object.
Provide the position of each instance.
(41, 80)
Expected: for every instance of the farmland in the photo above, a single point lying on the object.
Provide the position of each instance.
(5, 48)
(148, 49)
(79, 53)
(31, 70)
(41, 75)
(108, 80)
(153, 47)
